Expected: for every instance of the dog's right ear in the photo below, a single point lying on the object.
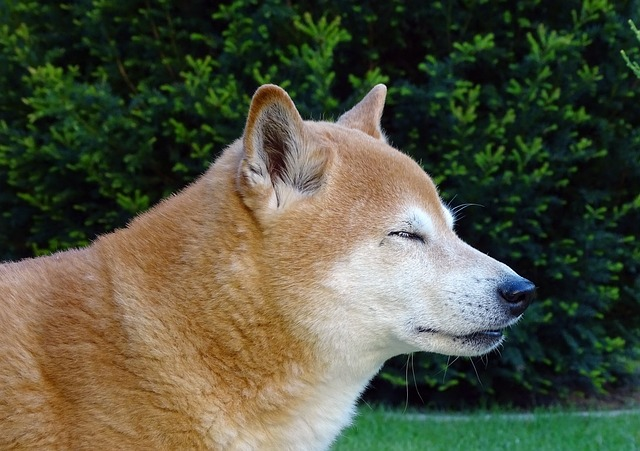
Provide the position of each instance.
(366, 114)
(279, 164)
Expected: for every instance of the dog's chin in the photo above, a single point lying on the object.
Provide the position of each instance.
(473, 344)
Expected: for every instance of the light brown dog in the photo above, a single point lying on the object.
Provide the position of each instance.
(250, 310)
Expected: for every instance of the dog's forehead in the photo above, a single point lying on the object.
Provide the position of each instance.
(380, 170)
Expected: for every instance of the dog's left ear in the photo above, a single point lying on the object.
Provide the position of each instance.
(366, 115)
(281, 162)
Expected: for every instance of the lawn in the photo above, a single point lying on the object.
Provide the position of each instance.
(379, 429)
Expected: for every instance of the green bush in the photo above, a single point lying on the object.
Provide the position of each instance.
(525, 108)
(633, 65)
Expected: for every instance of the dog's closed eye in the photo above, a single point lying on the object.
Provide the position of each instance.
(407, 235)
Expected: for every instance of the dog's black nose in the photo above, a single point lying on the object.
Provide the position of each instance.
(517, 293)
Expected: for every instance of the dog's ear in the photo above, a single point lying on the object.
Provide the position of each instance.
(280, 163)
(366, 115)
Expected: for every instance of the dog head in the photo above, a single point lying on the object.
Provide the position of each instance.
(356, 244)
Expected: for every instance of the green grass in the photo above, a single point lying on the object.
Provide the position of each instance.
(379, 429)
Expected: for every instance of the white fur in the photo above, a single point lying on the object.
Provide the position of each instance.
(442, 284)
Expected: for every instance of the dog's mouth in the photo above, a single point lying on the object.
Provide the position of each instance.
(483, 337)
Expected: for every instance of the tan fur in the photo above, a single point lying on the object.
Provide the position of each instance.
(240, 313)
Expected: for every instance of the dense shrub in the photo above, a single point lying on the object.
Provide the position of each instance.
(633, 65)
(525, 108)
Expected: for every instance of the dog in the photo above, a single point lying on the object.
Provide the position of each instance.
(250, 310)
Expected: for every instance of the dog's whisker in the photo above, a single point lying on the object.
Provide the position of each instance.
(485, 360)
(449, 363)
(476, 371)
(406, 383)
(415, 380)
(461, 207)
(455, 211)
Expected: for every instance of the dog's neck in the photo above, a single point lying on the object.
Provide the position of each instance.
(279, 367)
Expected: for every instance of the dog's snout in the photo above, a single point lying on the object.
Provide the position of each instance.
(518, 294)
